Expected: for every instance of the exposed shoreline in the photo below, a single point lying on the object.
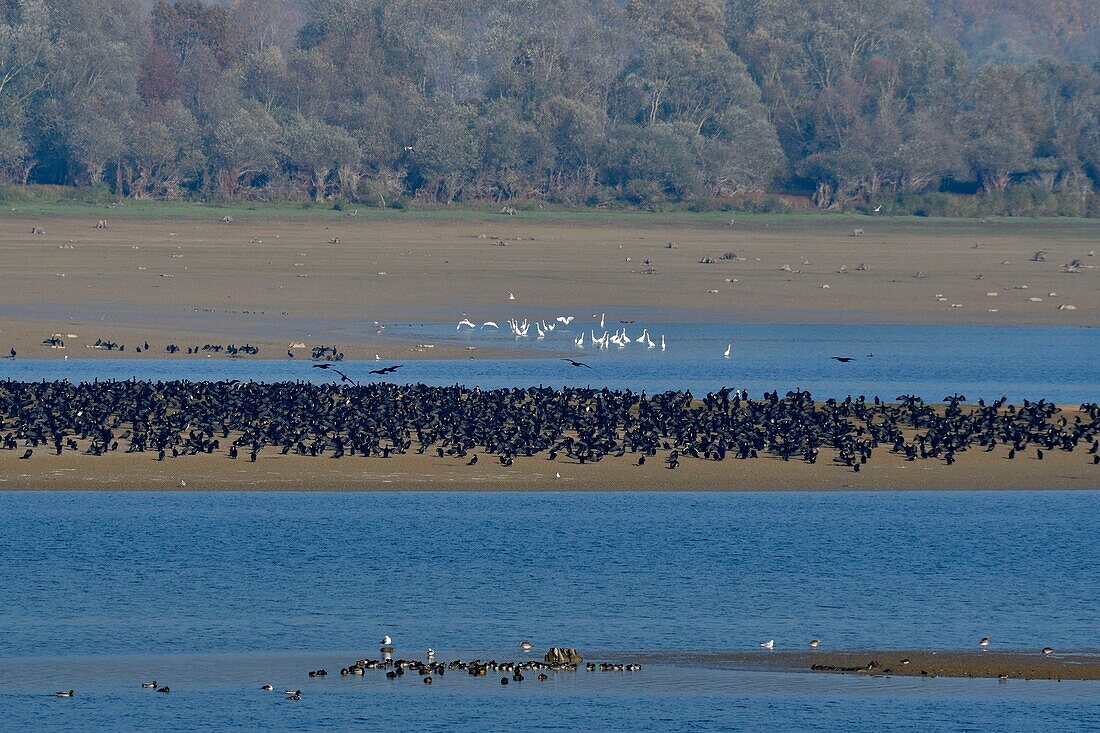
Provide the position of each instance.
(1021, 664)
(974, 470)
(273, 282)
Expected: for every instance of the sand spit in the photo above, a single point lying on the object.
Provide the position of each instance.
(136, 471)
(1030, 664)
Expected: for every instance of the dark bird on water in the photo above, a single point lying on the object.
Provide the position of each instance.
(843, 359)
(577, 363)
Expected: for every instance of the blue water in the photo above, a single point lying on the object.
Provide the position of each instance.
(1021, 362)
(215, 594)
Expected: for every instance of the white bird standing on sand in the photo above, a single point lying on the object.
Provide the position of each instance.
(729, 348)
(769, 644)
(511, 297)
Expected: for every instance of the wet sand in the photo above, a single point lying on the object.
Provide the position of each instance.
(189, 279)
(1030, 664)
(974, 470)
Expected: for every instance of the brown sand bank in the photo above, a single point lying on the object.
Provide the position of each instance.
(272, 282)
(886, 471)
(1023, 664)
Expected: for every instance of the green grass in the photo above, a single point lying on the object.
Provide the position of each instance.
(64, 202)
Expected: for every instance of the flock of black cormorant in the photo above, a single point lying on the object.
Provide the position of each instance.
(180, 418)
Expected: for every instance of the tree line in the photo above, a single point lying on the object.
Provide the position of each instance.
(577, 102)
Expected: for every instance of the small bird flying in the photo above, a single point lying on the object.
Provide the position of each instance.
(577, 363)
(386, 370)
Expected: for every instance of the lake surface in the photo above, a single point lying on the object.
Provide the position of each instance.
(215, 594)
(1021, 362)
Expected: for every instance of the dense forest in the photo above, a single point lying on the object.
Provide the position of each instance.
(842, 103)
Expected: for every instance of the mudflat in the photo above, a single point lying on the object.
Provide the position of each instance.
(178, 274)
(1029, 664)
(974, 470)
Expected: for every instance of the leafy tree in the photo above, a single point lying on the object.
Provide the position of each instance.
(573, 101)
(446, 151)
